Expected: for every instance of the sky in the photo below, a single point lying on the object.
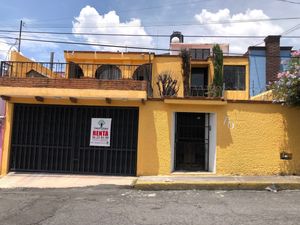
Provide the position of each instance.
(143, 17)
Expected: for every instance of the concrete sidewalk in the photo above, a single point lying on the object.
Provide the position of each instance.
(218, 182)
(174, 182)
(36, 180)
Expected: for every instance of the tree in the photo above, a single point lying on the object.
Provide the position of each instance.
(286, 89)
(186, 64)
(218, 69)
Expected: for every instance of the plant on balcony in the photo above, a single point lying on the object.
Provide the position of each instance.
(186, 67)
(167, 86)
(214, 91)
(286, 89)
(218, 71)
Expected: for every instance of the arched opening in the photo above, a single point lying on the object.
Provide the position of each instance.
(108, 72)
(142, 72)
(75, 70)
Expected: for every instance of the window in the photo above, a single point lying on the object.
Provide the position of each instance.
(108, 72)
(198, 81)
(199, 53)
(142, 72)
(234, 77)
(75, 70)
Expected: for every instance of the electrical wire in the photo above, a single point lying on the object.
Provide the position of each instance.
(288, 1)
(142, 35)
(127, 47)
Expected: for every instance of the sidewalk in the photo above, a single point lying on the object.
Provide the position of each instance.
(218, 182)
(36, 180)
(174, 182)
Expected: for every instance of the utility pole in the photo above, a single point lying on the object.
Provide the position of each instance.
(20, 35)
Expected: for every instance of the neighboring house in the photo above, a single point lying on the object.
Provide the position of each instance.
(106, 115)
(266, 62)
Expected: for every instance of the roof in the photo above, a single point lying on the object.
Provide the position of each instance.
(264, 48)
(107, 52)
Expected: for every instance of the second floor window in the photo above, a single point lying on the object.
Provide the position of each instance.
(234, 77)
(200, 53)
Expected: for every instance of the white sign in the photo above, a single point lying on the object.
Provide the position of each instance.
(100, 132)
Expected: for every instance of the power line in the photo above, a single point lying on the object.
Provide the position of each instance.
(288, 1)
(140, 35)
(129, 47)
(186, 24)
(177, 23)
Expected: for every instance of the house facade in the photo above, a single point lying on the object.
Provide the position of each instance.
(104, 113)
(265, 62)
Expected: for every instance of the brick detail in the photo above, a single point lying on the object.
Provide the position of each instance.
(84, 83)
(272, 57)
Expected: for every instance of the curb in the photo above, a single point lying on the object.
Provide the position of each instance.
(144, 185)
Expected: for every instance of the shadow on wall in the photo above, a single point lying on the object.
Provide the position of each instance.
(251, 137)
(225, 126)
(290, 144)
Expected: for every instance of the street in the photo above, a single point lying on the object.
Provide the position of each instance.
(114, 205)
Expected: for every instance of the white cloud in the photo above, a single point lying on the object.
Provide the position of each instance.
(5, 49)
(260, 28)
(90, 21)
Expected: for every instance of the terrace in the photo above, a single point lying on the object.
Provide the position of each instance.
(52, 80)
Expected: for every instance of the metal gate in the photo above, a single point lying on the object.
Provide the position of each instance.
(192, 141)
(54, 138)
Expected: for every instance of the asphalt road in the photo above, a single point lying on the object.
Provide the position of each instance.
(113, 205)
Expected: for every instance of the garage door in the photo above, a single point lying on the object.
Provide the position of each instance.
(53, 138)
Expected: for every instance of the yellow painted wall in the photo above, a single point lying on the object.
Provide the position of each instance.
(160, 64)
(88, 60)
(252, 147)
(7, 139)
(76, 93)
(170, 65)
(23, 65)
(265, 96)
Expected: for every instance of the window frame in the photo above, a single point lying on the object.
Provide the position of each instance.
(237, 77)
(200, 53)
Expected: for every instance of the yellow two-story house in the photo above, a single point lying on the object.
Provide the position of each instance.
(108, 113)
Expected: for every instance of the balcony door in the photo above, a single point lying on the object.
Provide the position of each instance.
(199, 81)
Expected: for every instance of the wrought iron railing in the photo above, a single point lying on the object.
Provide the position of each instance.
(206, 91)
(75, 70)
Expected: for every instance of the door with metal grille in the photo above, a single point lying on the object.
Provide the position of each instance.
(55, 138)
(192, 141)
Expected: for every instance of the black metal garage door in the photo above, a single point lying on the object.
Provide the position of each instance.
(54, 138)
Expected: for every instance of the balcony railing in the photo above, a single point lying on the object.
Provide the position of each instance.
(72, 75)
(75, 70)
(206, 91)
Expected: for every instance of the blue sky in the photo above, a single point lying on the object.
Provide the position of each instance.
(141, 17)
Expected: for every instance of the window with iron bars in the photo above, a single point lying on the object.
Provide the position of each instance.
(234, 77)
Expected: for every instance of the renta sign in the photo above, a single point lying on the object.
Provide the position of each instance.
(100, 132)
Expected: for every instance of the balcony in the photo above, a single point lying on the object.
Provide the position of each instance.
(73, 80)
